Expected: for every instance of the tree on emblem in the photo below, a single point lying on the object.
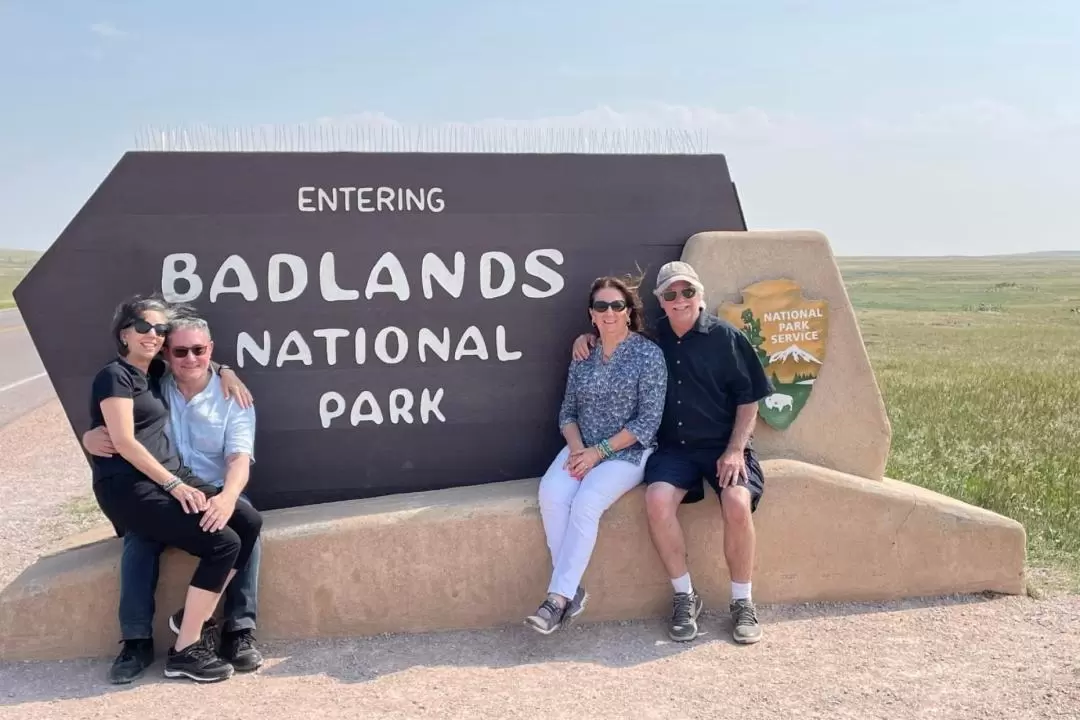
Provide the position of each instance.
(752, 330)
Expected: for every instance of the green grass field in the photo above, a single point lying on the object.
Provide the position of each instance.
(13, 265)
(979, 363)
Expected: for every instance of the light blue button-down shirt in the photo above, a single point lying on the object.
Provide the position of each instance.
(209, 428)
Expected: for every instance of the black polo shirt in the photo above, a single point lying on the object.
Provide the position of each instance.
(150, 409)
(712, 369)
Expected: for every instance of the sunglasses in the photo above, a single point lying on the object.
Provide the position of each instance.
(182, 352)
(602, 305)
(670, 295)
(142, 327)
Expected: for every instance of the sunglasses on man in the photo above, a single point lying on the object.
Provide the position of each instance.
(143, 327)
(181, 351)
(687, 293)
(602, 305)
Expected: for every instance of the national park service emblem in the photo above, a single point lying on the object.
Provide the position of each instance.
(788, 332)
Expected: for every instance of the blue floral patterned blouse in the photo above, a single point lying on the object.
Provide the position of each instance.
(626, 391)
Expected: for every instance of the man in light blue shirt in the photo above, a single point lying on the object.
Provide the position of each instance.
(215, 437)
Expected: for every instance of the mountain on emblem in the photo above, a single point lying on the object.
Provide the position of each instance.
(788, 333)
(793, 353)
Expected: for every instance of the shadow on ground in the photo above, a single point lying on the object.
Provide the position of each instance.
(361, 660)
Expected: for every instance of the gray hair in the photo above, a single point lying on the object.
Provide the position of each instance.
(190, 322)
(133, 309)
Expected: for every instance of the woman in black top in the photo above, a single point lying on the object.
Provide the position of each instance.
(145, 488)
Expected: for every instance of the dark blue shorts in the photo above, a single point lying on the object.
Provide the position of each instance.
(690, 469)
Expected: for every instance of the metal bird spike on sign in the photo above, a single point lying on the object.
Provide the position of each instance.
(403, 319)
(789, 333)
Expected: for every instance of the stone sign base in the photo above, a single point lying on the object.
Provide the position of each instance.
(475, 557)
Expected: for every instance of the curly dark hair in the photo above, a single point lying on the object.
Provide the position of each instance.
(628, 286)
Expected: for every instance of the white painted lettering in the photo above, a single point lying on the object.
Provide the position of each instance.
(433, 268)
(298, 268)
(430, 405)
(326, 414)
(500, 346)
(537, 269)
(485, 274)
(399, 283)
(328, 281)
(402, 345)
(245, 281)
(302, 352)
(400, 411)
(180, 266)
(374, 413)
(246, 345)
(331, 335)
(302, 201)
(427, 340)
(479, 346)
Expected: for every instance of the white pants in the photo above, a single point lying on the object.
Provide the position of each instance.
(571, 511)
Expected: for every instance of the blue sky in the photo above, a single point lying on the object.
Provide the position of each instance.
(910, 127)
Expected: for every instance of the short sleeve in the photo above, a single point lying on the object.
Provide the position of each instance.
(240, 431)
(749, 381)
(113, 381)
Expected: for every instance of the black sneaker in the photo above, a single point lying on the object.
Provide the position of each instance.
(134, 657)
(238, 648)
(199, 662)
(687, 607)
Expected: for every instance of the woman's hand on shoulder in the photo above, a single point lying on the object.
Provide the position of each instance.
(232, 387)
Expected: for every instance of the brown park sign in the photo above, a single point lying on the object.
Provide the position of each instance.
(404, 320)
(789, 333)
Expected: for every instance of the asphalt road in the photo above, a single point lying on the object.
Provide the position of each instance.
(23, 382)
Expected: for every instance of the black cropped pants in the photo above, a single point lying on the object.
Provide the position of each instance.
(139, 504)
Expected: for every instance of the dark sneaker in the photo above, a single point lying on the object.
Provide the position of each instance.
(577, 605)
(177, 619)
(746, 628)
(238, 649)
(547, 619)
(134, 657)
(687, 607)
(199, 662)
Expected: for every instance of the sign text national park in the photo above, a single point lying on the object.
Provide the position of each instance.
(404, 320)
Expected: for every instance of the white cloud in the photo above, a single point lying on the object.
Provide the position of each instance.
(107, 30)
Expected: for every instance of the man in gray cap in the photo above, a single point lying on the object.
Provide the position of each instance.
(715, 381)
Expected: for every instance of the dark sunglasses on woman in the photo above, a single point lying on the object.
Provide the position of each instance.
(143, 327)
(182, 352)
(603, 305)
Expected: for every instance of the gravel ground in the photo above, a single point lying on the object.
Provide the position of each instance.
(965, 657)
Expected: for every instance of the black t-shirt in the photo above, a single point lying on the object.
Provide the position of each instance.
(151, 415)
(712, 369)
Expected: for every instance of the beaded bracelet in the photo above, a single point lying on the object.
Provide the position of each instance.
(605, 449)
(168, 487)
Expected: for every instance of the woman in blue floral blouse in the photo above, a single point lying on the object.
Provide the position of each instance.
(610, 414)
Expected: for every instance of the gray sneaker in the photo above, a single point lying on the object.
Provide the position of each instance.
(548, 618)
(746, 629)
(577, 605)
(686, 608)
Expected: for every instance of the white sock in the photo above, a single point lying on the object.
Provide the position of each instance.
(682, 584)
(740, 591)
